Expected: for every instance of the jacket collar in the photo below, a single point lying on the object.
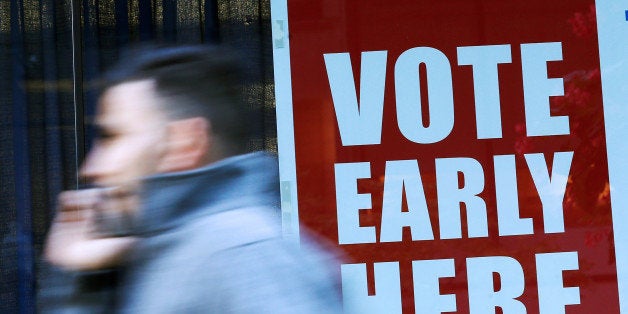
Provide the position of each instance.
(172, 199)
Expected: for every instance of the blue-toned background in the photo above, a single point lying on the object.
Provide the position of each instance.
(50, 53)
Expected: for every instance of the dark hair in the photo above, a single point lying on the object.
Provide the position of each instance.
(193, 81)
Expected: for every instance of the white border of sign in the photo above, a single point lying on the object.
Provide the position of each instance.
(285, 121)
(612, 26)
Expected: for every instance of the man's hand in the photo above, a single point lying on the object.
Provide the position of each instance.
(75, 241)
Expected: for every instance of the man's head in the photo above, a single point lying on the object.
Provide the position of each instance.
(164, 110)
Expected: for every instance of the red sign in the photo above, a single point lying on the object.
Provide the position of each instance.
(455, 150)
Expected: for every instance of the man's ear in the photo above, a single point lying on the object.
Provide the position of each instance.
(188, 144)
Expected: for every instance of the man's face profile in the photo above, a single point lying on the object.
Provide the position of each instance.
(133, 136)
(131, 146)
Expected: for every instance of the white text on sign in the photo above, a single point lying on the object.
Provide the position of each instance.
(360, 123)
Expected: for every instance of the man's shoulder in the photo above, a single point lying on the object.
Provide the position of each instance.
(236, 261)
(234, 228)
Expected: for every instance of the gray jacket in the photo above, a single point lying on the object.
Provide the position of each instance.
(211, 243)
